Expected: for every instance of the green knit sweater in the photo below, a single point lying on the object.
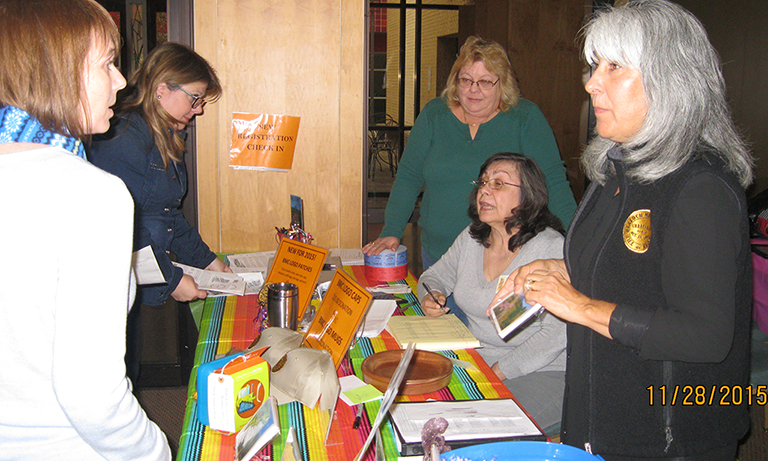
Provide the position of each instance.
(442, 157)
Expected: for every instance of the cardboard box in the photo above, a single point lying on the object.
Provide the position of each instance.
(236, 391)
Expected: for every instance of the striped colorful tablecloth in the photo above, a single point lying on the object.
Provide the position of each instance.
(228, 323)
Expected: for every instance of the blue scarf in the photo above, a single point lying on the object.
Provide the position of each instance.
(17, 125)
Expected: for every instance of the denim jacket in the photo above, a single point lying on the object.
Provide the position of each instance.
(128, 151)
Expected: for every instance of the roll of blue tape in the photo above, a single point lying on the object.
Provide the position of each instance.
(388, 258)
(387, 266)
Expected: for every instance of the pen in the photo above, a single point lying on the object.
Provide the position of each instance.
(356, 424)
(434, 298)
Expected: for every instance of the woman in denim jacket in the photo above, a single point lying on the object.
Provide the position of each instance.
(145, 148)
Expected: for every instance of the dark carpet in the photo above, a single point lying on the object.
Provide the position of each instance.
(165, 406)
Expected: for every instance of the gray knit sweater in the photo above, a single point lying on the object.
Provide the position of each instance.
(540, 344)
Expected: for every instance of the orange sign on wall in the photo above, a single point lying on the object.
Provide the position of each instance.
(263, 141)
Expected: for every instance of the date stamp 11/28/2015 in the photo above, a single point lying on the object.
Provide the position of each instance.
(690, 395)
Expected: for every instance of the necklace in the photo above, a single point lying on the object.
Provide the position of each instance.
(466, 121)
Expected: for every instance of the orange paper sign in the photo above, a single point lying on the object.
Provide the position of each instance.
(338, 317)
(298, 263)
(263, 141)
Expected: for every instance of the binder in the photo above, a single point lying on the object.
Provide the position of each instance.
(470, 422)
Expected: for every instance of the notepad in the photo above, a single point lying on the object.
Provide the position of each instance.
(442, 333)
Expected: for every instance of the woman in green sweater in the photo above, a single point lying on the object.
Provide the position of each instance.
(479, 114)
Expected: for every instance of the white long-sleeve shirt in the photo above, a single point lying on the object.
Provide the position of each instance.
(65, 291)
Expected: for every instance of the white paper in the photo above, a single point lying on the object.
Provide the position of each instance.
(378, 315)
(250, 262)
(253, 282)
(349, 256)
(221, 402)
(145, 265)
(442, 333)
(467, 419)
(216, 283)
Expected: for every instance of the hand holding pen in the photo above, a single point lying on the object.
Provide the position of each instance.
(434, 297)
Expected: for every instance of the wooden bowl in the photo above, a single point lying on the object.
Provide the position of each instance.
(427, 372)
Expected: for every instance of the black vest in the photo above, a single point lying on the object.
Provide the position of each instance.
(607, 400)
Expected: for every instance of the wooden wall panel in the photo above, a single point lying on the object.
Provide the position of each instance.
(301, 58)
(740, 36)
(540, 37)
(544, 50)
(207, 134)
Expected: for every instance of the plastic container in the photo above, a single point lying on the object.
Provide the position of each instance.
(519, 451)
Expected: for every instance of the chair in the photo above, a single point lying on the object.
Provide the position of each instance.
(383, 148)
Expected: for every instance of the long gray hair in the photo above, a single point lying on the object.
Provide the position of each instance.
(684, 89)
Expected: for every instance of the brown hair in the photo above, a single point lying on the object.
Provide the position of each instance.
(530, 217)
(43, 48)
(173, 64)
(495, 59)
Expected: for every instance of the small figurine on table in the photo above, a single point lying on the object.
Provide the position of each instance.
(432, 439)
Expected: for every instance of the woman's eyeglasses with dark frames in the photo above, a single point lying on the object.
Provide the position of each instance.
(197, 101)
(485, 85)
(493, 184)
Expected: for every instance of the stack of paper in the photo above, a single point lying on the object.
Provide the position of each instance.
(250, 262)
(224, 283)
(378, 315)
(349, 256)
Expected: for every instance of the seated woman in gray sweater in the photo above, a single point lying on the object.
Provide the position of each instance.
(511, 226)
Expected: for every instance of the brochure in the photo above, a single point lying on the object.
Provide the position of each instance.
(215, 283)
(263, 426)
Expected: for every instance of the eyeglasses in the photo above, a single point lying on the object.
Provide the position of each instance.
(197, 101)
(493, 184)
(485, 85)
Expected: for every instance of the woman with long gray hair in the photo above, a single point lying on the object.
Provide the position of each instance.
(656, 280)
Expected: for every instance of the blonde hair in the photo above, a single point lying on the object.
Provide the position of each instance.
(43, 48)
(495, 59)
(173, 64)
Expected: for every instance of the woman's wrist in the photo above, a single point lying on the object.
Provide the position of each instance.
(597, 316)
